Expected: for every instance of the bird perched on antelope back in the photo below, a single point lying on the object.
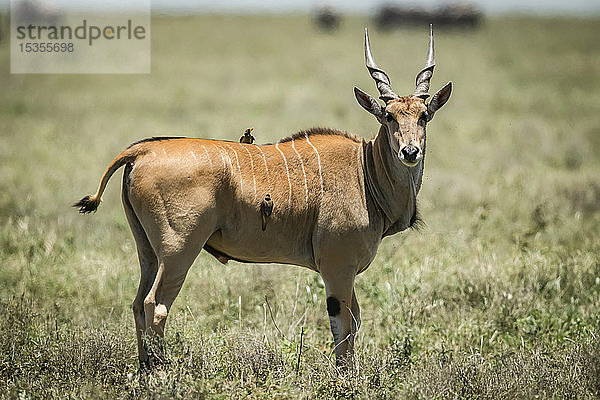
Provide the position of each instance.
(247, 138)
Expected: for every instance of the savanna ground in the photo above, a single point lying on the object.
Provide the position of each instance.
(496, 297)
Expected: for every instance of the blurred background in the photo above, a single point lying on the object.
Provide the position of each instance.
(534, 7)
(498, 296)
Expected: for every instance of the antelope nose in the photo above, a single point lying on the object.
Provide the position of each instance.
(410, 153)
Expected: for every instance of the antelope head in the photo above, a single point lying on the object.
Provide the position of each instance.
(404, 117)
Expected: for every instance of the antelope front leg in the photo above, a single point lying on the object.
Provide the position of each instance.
(344, 313)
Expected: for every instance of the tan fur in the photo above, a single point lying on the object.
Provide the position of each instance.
(185, 199)
(331, 198)
(408, 127)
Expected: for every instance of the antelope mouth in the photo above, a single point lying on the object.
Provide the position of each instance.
(409, 163)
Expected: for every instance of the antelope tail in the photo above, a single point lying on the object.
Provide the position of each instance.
(91, 202)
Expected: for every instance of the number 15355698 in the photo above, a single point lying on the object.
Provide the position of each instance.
(43, 47)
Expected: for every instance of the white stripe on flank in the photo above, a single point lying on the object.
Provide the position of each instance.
(237, 161)
(303, 171)
(207, 155)
(228, 158)
(194, 155)
(287, 171)
(222, 159)
(318, 160)
(252, 167)
(264, 159)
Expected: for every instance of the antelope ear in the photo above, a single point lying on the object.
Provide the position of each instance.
(439, 99)
(368, 103)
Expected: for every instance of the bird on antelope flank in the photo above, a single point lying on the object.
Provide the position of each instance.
(266, 209)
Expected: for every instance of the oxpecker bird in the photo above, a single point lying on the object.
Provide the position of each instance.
(247, 138)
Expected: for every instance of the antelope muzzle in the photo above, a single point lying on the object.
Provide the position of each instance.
(410, 155)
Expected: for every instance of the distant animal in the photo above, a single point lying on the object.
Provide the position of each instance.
(247, 137)
(327, 19)
(330, 197)
(461, 15)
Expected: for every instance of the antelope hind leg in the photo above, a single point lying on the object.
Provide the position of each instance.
(170, 276)
(148, 267)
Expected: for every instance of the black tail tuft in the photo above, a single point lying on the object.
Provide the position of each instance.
(88, 204)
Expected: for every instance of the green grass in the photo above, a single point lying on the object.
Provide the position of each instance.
(496, 297)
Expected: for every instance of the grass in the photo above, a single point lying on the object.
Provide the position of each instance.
(497, 297)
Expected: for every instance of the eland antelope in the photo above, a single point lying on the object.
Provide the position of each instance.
(321, 199)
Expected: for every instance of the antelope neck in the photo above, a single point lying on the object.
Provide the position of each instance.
(392, 185)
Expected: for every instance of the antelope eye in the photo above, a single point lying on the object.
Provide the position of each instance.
(389, 117)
